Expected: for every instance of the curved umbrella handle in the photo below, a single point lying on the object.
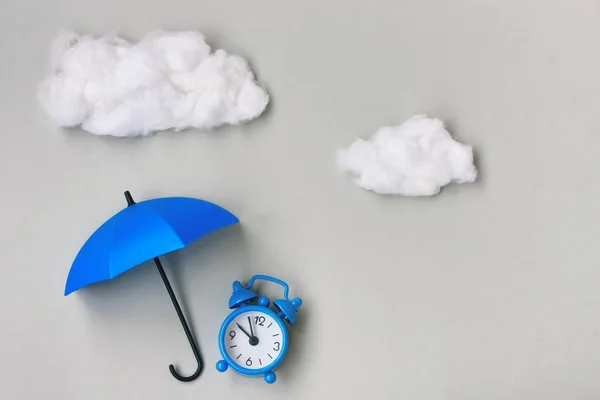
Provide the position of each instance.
(186, 329)
(198, 368)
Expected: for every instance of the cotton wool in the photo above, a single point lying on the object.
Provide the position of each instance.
(168, 80)
(416, 158)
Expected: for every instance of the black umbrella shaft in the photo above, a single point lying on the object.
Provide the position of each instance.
(186, 328)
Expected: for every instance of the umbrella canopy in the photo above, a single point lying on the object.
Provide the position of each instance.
(144, 231)
(141, 232)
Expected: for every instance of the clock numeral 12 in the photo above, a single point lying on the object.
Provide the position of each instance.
(259, 320)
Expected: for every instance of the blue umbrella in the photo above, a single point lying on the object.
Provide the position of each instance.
(144, 231)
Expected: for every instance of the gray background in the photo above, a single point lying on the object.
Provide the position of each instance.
(487, 291)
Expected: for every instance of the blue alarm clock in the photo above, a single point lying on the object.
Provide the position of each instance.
(253, 338)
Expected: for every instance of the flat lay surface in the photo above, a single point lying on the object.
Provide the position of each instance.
(488, 290)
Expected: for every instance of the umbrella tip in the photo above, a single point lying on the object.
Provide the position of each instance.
(129, 198)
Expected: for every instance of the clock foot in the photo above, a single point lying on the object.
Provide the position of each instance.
(270, 377)
(222, 366)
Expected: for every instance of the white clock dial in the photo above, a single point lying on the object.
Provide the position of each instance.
(254, 340)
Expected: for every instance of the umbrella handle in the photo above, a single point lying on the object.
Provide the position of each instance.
(186, 329)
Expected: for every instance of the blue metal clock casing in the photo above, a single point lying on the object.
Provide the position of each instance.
(242, 300)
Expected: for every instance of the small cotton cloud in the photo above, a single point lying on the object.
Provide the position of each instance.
(168, 80)
(416, 158)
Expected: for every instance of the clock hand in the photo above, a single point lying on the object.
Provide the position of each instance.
(253, 338)
(243, 330)
(251, 330)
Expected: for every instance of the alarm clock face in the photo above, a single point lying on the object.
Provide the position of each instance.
(254, 339)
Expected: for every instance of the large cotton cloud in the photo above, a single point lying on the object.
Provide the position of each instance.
(416, 158)
(168, 80)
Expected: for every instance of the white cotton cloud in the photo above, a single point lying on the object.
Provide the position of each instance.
(168, 80)
(416, 158)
